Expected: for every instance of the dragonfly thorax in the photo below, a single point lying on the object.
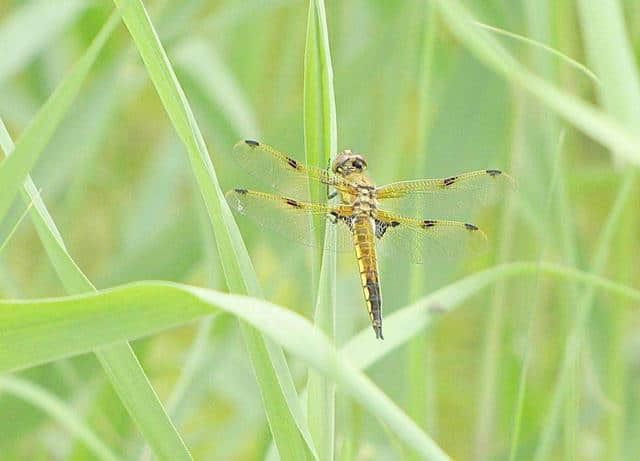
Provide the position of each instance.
(365, 202)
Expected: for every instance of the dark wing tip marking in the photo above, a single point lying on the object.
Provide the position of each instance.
(449, 181)
(240, 191)
(252, 143)
(292, 163)
(471, 227)
(428, 223)
(394, 223)
(292, 203)
(493, 172)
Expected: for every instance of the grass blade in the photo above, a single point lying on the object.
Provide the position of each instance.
(276, 385)
(320, 128)
(620, 95)
(40, 330)
(420, 352)
(67, 417)
(590, 121)
(14, 169)
(570, 61)
(126, 374)
(405, 323)
(14, 228)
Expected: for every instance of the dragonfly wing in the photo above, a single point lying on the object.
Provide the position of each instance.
(282, 172)
(293, 219)
(454, 197)
(424, 239)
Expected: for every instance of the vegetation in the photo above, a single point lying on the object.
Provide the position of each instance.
(138, 320)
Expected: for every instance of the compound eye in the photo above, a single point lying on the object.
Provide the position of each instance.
(357, 164)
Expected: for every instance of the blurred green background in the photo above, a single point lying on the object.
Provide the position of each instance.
(120, 189)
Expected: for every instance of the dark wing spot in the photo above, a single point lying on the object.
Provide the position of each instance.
(292, 163)
(494, 172)
(394, 223)
(252, 143)
(292, 203)
(428, 223)
(449, 181)
(471, 227)
(241, 191)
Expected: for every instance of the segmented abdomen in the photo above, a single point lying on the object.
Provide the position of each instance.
(365, 245)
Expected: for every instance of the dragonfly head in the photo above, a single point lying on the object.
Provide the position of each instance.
(347, 163)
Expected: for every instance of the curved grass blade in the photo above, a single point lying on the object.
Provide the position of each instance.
(280, 399)
(14, 228)
(405, 323)
(119, 361)
(529, 41)
(591, 121)
(38, 331)
(620, 96)
(14, 169)
(59, 410)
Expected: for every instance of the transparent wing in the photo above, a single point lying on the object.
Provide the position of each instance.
(282, 172)
(422, 240)
(455, 197)
(293, 218)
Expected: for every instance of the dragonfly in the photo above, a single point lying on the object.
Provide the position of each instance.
(361, 223)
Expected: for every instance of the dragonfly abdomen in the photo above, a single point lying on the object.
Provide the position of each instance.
(365, 245)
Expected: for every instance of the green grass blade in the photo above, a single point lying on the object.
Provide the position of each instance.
(620, 95)
(43, 330)
(119, 361)
(320, 128)
(207, 69)
(592, 122)
(14, 228)
(283, 410)
(421, 392)
(123, 368)
(570, 61)
(57, 409)
(405, 323)
(14, 169)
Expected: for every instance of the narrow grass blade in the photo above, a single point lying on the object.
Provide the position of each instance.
(320, 128)
(15, 227)
(207, 69)
(38, 331)
(405, 323)
(590, 121)
(620, 95)
(14, 169)
(283, 410)
(421, 379)
(60, 411)
(121, 364)
(570, 61)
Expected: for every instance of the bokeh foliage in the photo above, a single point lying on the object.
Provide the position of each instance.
(535, 365)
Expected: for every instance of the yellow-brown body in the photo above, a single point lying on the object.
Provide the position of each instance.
(363, 227)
